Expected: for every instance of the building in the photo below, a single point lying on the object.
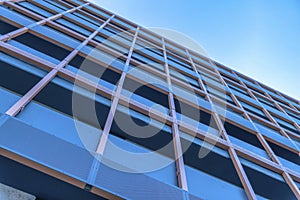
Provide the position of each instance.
(153, 120)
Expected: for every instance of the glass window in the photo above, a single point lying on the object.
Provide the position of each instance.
(119, 22)
(147, 75)
(143, 130)
(193, 116)
(121, 151)
(254, 110)
(151, 97)
(87, 18)
(35, 8)
(265, 126)
(56, 35)
(220, 94)
(203, 62)
(18, 17)
(230, 78)
(112, 31)
(17, 75)
(244, 139)
(285, 124)
(295, 116)
(57, 4)
(111, 43)
(237, 89)
(289, 159)
(48, 5)
(61, 125)
(261, 177)
(42, 45)
(147, 61)
(184, 77)
(101, 14)
(209, 168)
(174, 49)
(187, 94)
(99, 55)
(74, 27)
(84, 23)
(175, 62)
(96, 69)
(6, 27)
(207, 80)
(61, 95)
(149, 50)
(265, 102)
(150, 37)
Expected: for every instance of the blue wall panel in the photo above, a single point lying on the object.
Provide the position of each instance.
(60, 126)
(45, 149)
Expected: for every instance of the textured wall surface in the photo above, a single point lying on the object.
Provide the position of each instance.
(8, 193)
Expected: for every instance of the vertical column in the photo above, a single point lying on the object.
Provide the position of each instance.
(181, 175)
(113, 108)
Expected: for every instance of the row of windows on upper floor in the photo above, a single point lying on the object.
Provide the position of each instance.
(207, 77)
(104, 34)
(234, 85)
(76, 16)
(149, 96)
(72, 42)
(258, 89)
(171, 48)
(47, 8)
(190, 156)
(266, 103)
(81, 17)
(118, 64)
(63, 54)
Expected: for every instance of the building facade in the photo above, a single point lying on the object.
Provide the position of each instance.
(94, 106)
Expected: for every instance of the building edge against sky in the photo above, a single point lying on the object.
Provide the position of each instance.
(251, 135)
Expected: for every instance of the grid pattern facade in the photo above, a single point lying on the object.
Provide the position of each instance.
(256, 128)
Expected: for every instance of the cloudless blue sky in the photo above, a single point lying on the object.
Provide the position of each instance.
(260, 39)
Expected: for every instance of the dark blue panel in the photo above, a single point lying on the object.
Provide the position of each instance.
(40, 44)
(9, 74)
(238, 119)
(210, 163)
(205, 186)
(154, 136)
(266, 183)
(6, 27)
(39, 184)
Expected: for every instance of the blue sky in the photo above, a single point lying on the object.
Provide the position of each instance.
(260, 39)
